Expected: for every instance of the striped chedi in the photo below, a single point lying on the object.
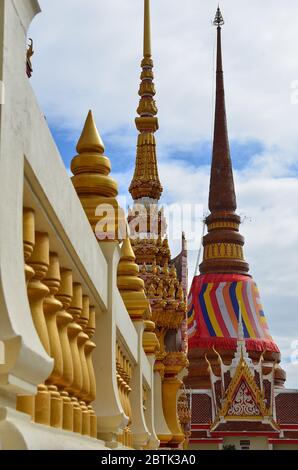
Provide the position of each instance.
(224, 286)
(215, 301)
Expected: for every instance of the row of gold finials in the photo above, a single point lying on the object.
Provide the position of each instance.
(65, 323)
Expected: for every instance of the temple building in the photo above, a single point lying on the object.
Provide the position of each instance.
(236, 385)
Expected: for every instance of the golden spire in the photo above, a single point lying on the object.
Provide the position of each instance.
(93, 183)
(145, 181)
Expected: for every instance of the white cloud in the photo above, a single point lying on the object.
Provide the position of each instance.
(88, 55)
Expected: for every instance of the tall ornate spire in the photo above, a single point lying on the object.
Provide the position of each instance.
(223, 245)
(222, 192)
(145, 183)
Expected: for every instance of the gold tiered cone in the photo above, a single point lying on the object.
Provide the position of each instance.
(131, 288)
(95, 187)
(130, 285)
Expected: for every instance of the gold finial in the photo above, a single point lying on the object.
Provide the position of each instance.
(173, 271)
(218, 21)
(165, 269)
(172, 291)
(127, 252)
(180, 293)
(94, 185)
(154, 267)
(159, 291)
(91, 168)
(151, 291)
(143, 268)
(90, 140)
(130, 285)
(147, 29)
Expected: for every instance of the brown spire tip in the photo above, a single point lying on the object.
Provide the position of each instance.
(218, 21)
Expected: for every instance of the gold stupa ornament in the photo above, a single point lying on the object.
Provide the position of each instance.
(130, 285)
(132, 290)
(95, 187)
(146, 181)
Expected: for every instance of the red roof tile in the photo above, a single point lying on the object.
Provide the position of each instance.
(201, 409)
(287, 408)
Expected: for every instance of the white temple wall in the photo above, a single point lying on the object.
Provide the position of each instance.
(32, 174)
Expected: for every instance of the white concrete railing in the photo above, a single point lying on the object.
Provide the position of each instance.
(32, 174)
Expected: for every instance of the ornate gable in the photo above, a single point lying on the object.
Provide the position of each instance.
(243, 398)
(244, 403)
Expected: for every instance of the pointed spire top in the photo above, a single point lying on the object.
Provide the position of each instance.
(147, 29)
(90, 140)
(127, 251)
(218, 20)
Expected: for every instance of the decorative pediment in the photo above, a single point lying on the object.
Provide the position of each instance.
(244, 403)
(243, 398)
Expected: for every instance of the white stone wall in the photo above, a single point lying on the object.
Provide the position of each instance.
(32, 173)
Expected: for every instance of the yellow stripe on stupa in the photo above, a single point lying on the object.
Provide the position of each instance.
(244, 312)
(210, 311)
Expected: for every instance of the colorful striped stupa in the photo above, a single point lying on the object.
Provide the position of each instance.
(224, 285)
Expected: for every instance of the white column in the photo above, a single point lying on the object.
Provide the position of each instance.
(139, 428)
(111, 417)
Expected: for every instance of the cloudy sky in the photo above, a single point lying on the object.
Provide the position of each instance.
(87, 56)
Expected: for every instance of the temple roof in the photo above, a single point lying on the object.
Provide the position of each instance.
(287, 408)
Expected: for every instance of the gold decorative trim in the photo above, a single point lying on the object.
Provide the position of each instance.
(223, 250)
